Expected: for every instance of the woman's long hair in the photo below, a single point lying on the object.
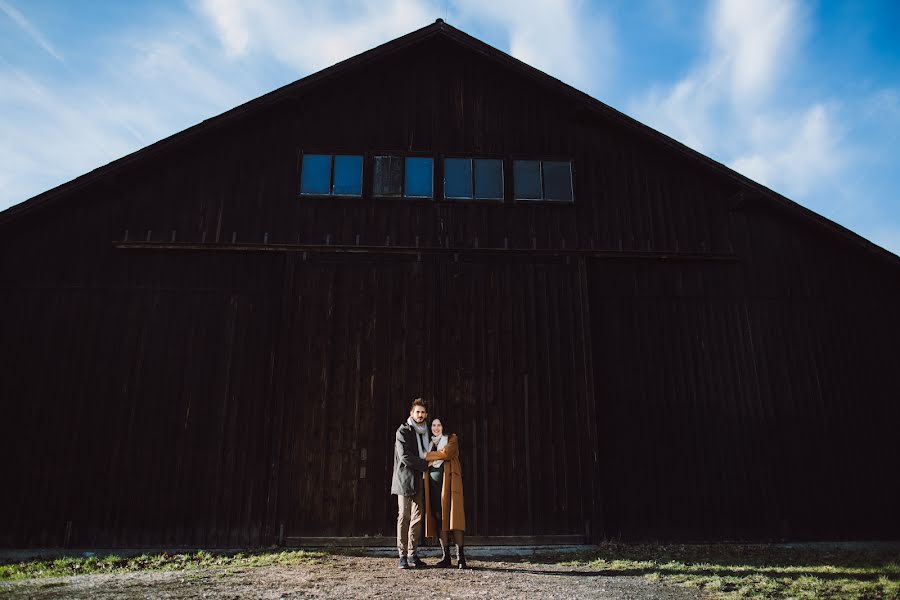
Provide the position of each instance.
(446, 431)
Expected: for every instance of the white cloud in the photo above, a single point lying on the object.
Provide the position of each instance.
(793, 152)
(149, 88)
(308, 36)
(747, 49)
(176, 67)
(726, 106)
(230, 19)
(740, 104)
(556, 36)
(752, 41)
(686, 111)
(559, 37)
(47, 139)
(25, 25)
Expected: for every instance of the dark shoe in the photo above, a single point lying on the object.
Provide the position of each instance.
(417, 562)
(403, 563)
(444, 562)
(461, 558)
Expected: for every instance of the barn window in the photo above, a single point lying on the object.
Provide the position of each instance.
(543, 180)
(388, 176)
(527, 179)
(409, 176)
(419, 177)
(557, 180)
(327, 174)
(315, 176)
(467, 178)
(347, 175)
(458, 178)
(489, 178)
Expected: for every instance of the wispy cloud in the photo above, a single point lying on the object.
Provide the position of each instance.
(752, 43)
(151, 87)
(810, 154)
(736, 103)
(308, 36)
(47, 138)
(560, 37)
(725, 105)
(25, 25)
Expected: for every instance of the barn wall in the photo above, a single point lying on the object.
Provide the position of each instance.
(750, 400)
(193, 357)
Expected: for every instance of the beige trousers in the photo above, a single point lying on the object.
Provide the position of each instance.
(410, 510)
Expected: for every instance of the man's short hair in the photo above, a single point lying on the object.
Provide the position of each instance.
(418, 402)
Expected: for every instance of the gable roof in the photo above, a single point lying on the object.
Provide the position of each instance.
(751, 190)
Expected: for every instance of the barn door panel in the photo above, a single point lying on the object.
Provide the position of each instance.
(509, 356)
(353, 356)
(680, 362)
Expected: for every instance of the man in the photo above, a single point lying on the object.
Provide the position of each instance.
(410, 447)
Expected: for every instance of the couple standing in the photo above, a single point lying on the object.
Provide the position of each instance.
(428, 482)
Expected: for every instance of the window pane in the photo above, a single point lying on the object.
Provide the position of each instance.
(527, 179)
(419, 177)
(458, 178)
(557, 180)
(348, 175)
(387, 176)
(489, 178)
(315, 176)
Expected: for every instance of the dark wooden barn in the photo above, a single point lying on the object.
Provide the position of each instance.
(210, 342)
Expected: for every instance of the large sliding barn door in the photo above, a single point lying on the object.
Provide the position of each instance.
(498, 350)
(355, 352)
(510, 359)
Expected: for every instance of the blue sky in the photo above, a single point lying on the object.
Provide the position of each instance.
(803, 97)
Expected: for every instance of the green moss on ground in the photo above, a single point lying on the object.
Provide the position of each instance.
(757, 571)
(164, 561)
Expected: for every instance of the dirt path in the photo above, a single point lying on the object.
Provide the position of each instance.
(353, 577)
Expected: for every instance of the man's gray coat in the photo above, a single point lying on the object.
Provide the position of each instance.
(408, 465)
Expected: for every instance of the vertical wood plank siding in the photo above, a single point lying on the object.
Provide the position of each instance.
(155, 397)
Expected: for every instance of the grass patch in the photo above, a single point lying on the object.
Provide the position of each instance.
(756, 571)
(77, 565)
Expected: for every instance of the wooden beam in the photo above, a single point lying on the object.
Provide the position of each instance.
(412, 250)
(471, 540)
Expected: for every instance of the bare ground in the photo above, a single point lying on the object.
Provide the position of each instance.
(354, 577)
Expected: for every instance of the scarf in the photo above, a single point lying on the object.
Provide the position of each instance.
(421, 436)
(438, 443)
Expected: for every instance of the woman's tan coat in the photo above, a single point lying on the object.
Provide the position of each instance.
(452, 506)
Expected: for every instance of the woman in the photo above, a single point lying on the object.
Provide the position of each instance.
(444, 510)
